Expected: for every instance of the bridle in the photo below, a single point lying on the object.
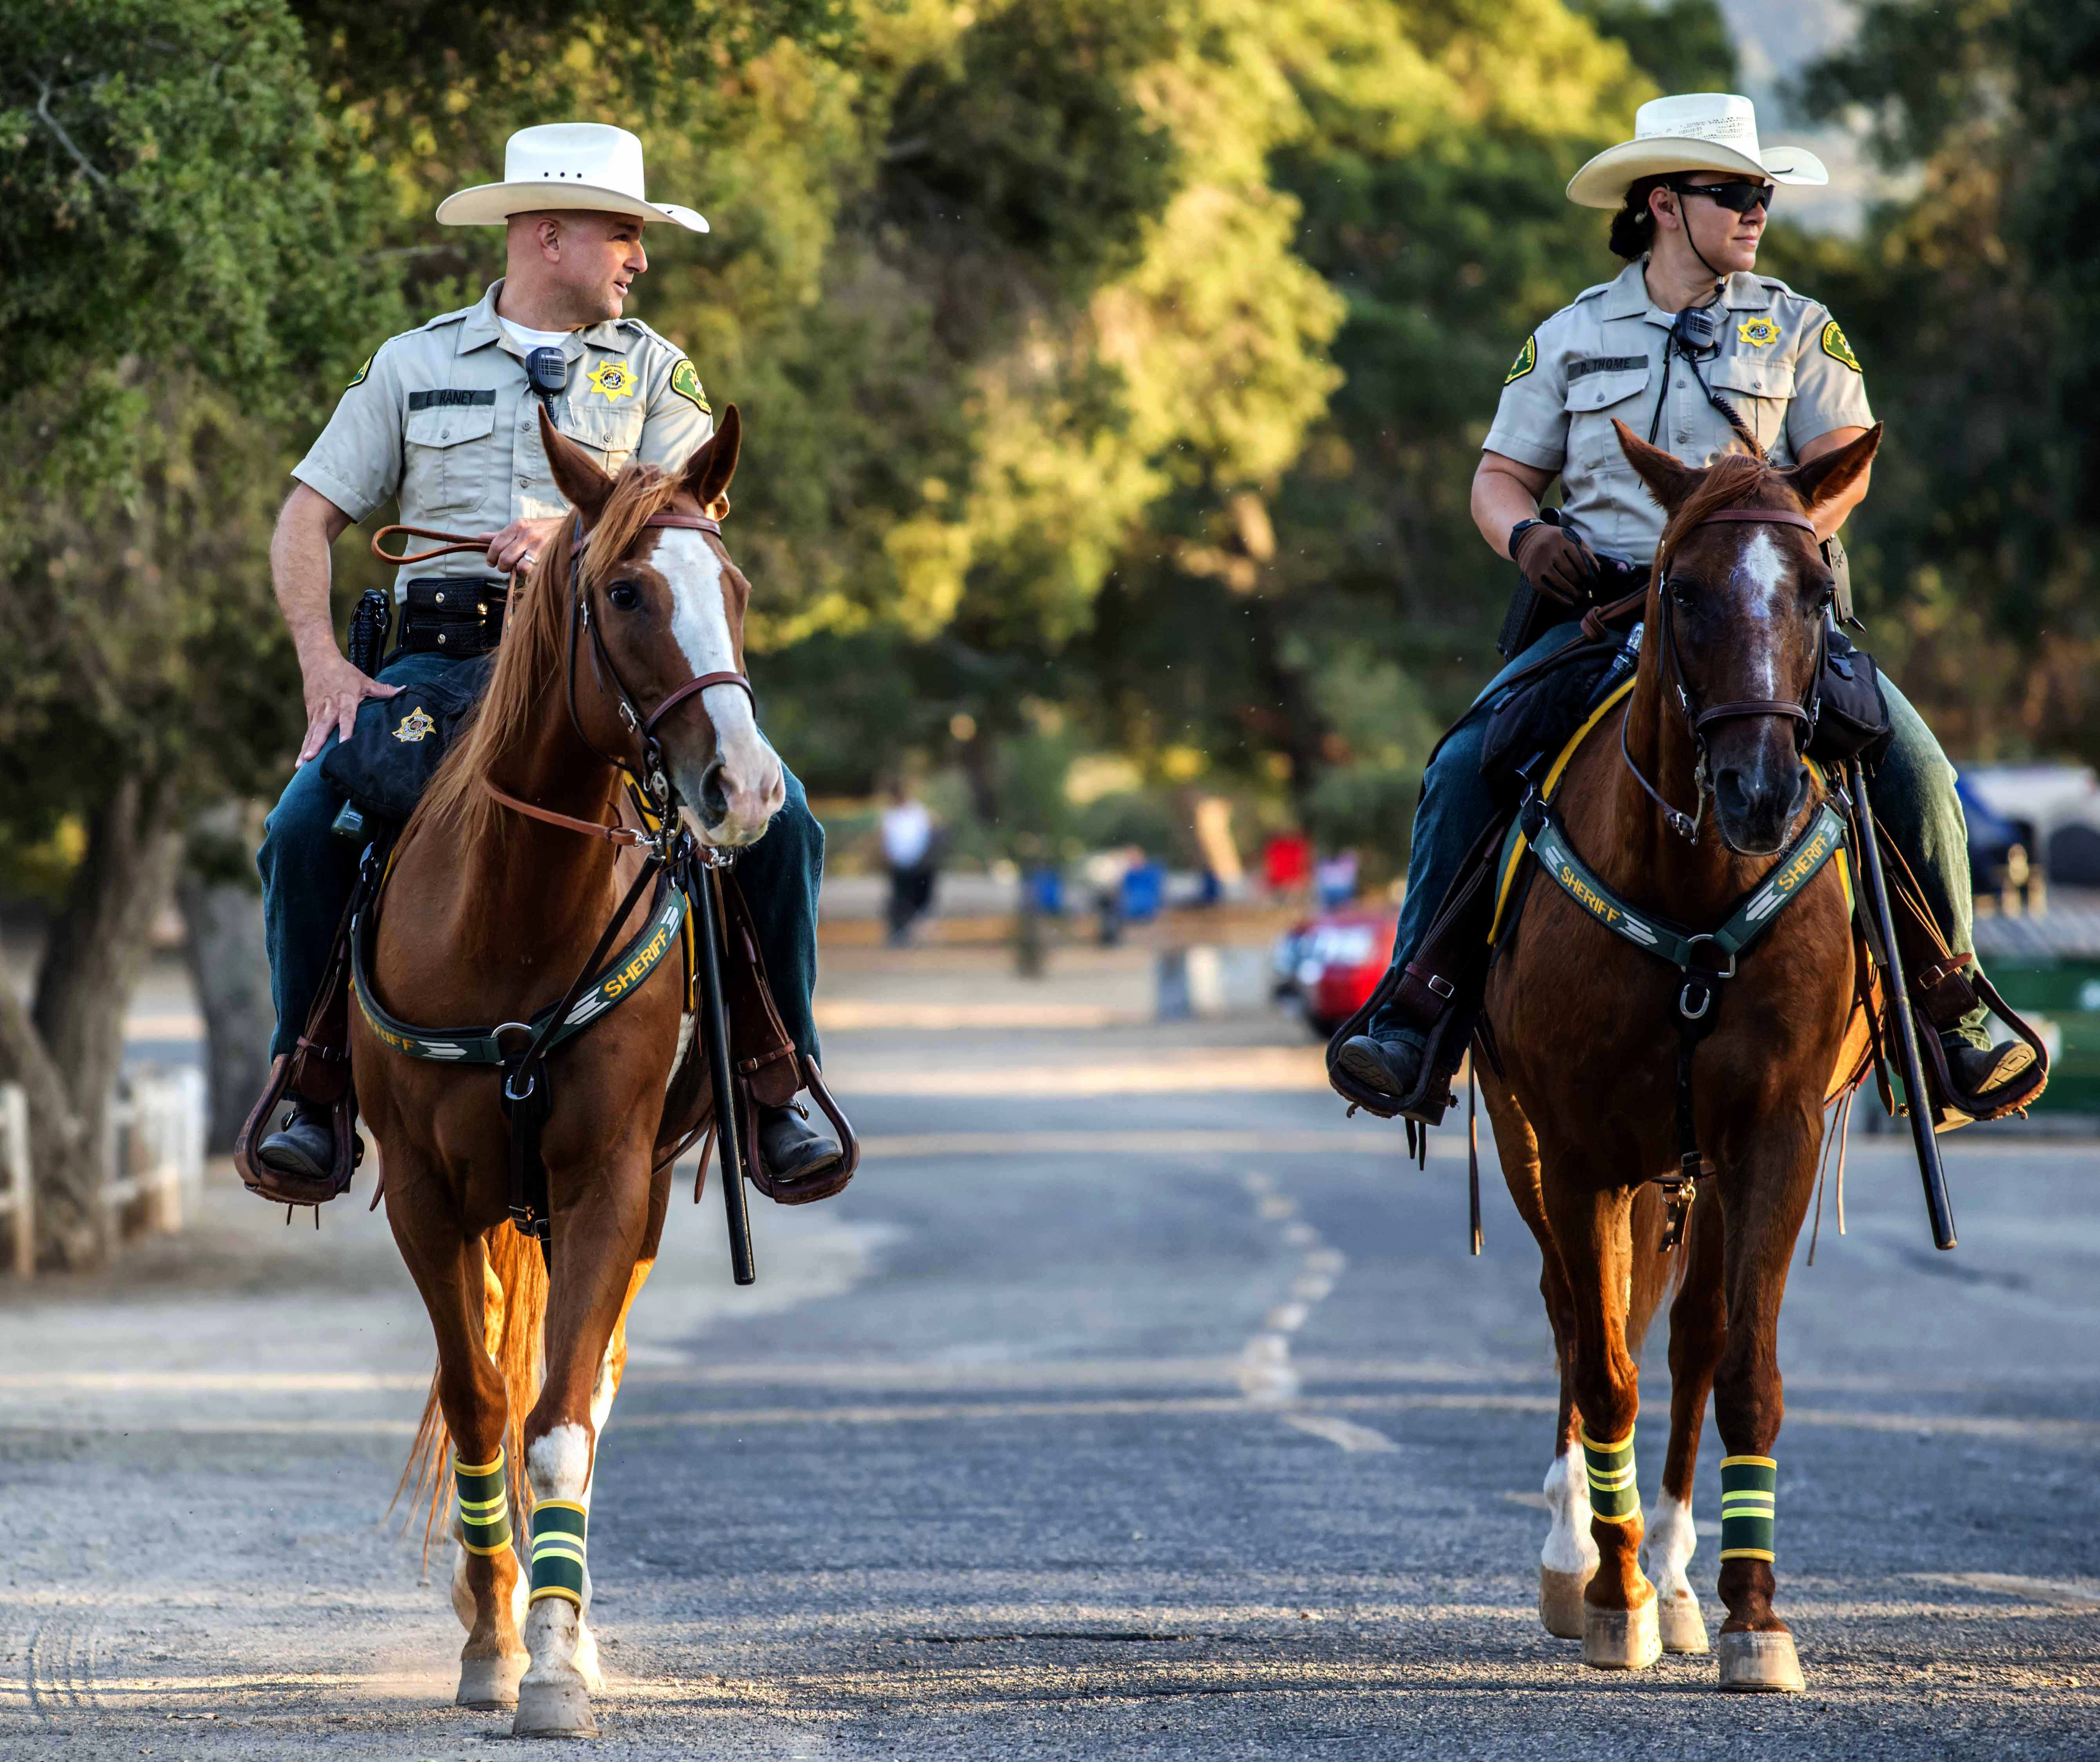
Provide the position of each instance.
(660, 795)
(1803, 713)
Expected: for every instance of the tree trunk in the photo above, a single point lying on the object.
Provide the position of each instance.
(231, 968)
(97, 949)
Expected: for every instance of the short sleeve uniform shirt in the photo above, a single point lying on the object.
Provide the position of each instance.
(444, 420)
(1783, 366)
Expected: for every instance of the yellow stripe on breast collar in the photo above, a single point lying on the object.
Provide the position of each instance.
(1519, 846)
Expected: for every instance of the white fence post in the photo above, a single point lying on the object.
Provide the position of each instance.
(18, 1191)
(157, 1124)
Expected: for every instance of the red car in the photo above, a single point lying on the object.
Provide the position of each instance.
(1333, 963)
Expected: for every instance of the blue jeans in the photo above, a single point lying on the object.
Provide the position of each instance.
(308, 874)
(1913, 796)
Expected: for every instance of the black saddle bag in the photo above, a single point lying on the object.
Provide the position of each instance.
(1853, 720)
(397, 743)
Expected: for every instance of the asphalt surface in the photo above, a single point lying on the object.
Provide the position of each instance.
(1147, 1414)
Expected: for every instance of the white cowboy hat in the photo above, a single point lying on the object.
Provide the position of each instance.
(1695, 131)
(565, 165)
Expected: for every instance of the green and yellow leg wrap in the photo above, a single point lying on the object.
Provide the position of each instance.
(485, 1506)
(557, 1549)
(1614, 1496)
(1749, 1486)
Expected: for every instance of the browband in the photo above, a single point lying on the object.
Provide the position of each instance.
(684, 522)
(1777, 517)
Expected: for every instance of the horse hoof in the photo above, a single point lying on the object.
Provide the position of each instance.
(1760, 1664)
(490, 1682)
(1620, 1639)
(1561, 1601)
(1683, 1625)
(553, 1710)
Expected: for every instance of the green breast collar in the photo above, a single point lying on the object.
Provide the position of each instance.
(1819, 841)
(620, 978)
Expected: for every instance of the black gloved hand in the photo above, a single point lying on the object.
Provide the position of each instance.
(1556, 562)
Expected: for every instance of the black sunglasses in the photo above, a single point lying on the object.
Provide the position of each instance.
(1738, 193)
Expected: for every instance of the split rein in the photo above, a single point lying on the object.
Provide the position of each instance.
(1804, 712)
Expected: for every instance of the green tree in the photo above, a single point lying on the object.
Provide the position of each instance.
(176, 253)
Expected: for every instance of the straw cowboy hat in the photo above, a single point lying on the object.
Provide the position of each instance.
(565, 165)
(1694, 131)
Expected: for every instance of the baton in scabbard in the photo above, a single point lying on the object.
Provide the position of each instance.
(715, 1021)
(1929, 1167)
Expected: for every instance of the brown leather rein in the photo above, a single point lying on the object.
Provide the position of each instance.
(644, 728)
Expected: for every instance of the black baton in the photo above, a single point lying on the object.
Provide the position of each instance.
(715, 1023)
(1929, 1167)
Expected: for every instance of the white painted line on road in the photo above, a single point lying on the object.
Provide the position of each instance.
(1194, 1142)
(1346, 1433)
(2082, 1596)
(1203, 1071)
(848, 1015)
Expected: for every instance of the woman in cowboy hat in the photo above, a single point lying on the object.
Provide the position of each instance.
(1692, 348)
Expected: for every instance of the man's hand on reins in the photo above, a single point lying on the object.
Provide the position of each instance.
(517, 544)
(1556, 562)
(334, 689)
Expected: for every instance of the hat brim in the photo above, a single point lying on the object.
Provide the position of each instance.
(490, 205)
(1604, 181)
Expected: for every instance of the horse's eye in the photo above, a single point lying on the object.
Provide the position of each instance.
(625, 595)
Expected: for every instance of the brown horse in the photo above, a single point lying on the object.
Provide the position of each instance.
(488, 916)
(1585, 1027)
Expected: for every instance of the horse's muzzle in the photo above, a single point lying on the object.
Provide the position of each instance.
(1755, 803)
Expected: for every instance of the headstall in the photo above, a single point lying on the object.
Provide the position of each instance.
(1803, 712)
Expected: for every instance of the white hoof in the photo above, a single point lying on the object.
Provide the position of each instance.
(1561, 1601)
(1760, 1664)
(557, 1709)
(490, 1682)
(1620, 1639)
(1682, 1623)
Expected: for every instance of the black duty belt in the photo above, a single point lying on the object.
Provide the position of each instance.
(459, 615)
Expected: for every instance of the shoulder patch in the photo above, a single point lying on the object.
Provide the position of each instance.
(1835, 346)
(686, 383)
(357, 378)
(1527, 358)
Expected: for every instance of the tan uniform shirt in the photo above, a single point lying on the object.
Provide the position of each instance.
(1783, 366)
(444, 420)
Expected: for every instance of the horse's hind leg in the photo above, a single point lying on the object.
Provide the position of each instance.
(1619, 1628)
(1698, 1327)
(1569, 1557)
(450, 1271)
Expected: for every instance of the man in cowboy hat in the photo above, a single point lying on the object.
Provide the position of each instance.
(444, 421)
(1690, 347)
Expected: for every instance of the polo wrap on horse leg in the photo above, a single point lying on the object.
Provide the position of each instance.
(484, 1504)
(1750, 1486)
(1614, 1495)
(557, 1549)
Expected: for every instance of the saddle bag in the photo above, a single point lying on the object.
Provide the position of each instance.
(398, 742)
(1852, 720)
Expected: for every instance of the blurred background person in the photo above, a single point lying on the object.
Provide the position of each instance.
(911, 852)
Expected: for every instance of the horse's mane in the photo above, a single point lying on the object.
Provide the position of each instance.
(1734, 480)
(528, 676)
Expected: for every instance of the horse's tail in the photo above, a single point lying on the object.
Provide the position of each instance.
(513, 1313)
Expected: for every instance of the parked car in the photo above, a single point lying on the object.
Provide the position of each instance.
(1331, 963)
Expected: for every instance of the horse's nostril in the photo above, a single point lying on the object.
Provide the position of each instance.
(714, 799)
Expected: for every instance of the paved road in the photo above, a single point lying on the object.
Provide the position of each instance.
(1122, 1420)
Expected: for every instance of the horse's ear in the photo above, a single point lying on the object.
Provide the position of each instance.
(713, 463)
(1670, 480)
(580, 478)
(1830, 475)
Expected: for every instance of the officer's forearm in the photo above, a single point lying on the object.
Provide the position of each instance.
(1505, 490)
(299, 572)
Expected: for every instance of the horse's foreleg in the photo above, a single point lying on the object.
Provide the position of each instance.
(1764, 1195)
(598, 1240)
(1698, 1326)
(450, 1271)
(1619, 1630)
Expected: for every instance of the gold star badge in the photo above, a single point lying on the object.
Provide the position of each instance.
(613, 379)
(416, 725)
(1757, 332)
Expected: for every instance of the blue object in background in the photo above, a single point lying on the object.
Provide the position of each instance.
(1046, 891)
(1992, 837)
(1144, 892)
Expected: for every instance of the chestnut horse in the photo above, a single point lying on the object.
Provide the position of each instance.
(489, 914)
(1585, 1028)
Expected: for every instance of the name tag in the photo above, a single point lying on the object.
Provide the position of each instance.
(449, 399)
(1604, 364)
